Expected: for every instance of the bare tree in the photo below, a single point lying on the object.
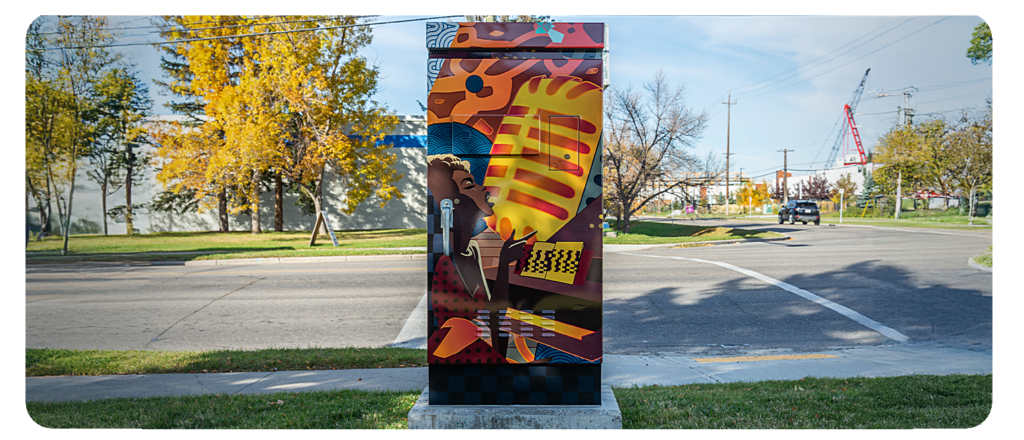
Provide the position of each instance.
(646, 139)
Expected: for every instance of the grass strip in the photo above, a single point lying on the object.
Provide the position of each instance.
(905, 402)
(985, 259)
(341, 409)
(641, 232)
(60, 362)
(210, 242)
(144, 257)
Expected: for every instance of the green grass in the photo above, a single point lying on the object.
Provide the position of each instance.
(59, 362)
(220, 245)
(662, 233)
(922, 217)
(342, 409)
(955, 401)
(907, 402)
(984, 259)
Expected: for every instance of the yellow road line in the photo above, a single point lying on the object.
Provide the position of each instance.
(281, 271)
(778, 357)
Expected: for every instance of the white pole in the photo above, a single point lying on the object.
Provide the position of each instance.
(841, 191)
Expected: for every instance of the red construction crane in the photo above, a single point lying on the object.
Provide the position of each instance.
(847, 152)
(849, 108)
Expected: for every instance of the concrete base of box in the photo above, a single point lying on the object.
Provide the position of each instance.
(603, 416)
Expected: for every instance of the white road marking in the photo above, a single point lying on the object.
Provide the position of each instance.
(842, 310)
(414, 332)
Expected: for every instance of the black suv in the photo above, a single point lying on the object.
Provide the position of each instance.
(800, 210)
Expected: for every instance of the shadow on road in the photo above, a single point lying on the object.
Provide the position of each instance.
(743, 310)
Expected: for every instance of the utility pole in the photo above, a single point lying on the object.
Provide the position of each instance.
(728, 128)
(785, 175)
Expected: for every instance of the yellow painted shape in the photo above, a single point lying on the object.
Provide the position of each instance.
(778, 357)
(559, 327)
(588, 107)
(534, 264)
(564, 267)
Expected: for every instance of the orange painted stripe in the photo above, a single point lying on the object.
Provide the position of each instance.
(524, 350)
(557, 82)
(484, 127)
(547, 160)
(535, 84)
(538, 204)
(518, 110)
(501, 148)
(584, 125)
(543, 182)
(559, 140)
(497, 170)
(512, 129)
(581, 89)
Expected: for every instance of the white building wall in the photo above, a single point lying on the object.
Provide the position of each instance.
(408, 212)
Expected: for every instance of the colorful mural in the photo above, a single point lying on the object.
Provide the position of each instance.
(514, 201)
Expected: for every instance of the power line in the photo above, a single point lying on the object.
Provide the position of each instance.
(830, 53)
(822, 64)
(851, 61)
(253, 24)
(190, 40)
(840, 119)
(157, 26)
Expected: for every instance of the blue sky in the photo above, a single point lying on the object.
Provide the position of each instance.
(790, 75)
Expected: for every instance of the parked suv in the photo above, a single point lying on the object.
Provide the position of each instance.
(800, 210)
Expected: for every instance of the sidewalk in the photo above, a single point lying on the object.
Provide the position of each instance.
(617, 371)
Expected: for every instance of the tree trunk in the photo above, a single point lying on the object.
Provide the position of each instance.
(128, 190)
(318, 199)
(222, 208)
(970, 213)
(899, 194)
(71, 199)
(254, 203)
(103, 197)
(278, 204)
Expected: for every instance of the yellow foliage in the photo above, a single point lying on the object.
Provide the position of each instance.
(292, 103)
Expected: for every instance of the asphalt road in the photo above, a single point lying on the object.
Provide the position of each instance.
(914, 282)
(827, 287)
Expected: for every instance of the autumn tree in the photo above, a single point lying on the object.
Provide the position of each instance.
(848, 186)
(296, 104)
(190, 105)
(63, 69)
(752, 195)
(646, 140)
(972, 142)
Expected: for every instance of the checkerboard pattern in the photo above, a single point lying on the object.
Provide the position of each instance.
(523, 384)
(435, 246)
(553, 261)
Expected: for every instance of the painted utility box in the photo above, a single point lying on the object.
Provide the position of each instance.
(514, 117)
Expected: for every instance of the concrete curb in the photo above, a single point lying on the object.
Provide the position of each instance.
(307, 259)
(996, 269)
(641, 247)
(237, 261)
